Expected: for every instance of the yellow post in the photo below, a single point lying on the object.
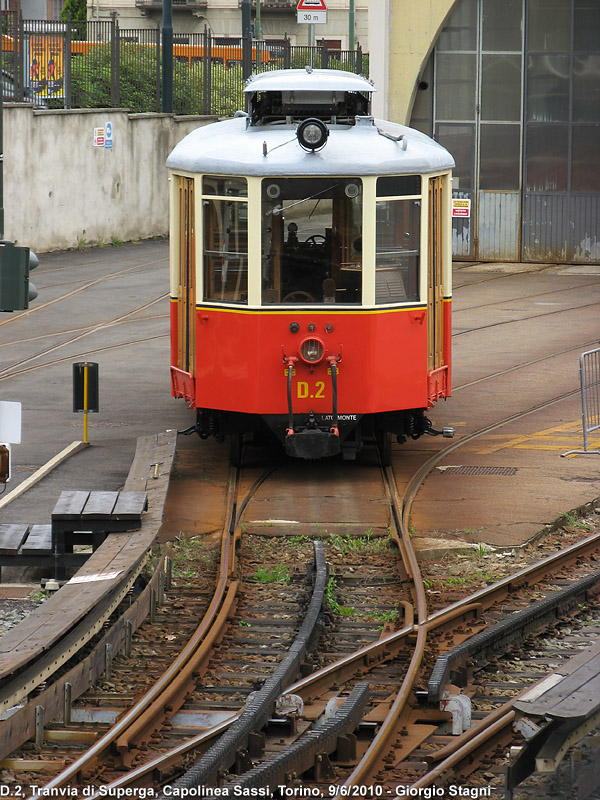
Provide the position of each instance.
(85, 404)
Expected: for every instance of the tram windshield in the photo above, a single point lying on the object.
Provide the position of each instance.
(311, 240)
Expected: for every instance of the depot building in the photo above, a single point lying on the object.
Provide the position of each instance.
(512, 89)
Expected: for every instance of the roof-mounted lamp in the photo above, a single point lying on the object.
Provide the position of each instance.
(312, 134)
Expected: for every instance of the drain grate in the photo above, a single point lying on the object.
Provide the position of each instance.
(479, 470)
(8, 592)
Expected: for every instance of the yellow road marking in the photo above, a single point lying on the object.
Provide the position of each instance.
(559, 437)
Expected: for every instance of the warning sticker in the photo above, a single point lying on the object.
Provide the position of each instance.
(460, 207)
(98, 576)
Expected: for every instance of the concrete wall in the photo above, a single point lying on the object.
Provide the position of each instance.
(407, 32)
(61, 191)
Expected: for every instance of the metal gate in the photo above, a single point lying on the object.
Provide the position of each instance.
(589, 375)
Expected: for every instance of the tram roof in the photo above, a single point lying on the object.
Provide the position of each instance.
(232, 147)
(308, 80)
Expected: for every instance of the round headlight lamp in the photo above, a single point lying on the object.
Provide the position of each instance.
(312, 350)
(312, 134)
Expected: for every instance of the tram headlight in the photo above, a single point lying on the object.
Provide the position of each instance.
(312, 134)
(312, 350)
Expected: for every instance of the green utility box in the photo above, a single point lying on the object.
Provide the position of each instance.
(14, 277)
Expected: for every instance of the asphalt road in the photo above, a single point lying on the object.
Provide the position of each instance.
(107, 305)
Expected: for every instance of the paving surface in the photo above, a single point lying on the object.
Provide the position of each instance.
(525, 324)
(519, 331)
(110, 306)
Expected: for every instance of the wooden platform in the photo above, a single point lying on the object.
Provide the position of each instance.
(556, 714)
(87, 518)
(572, 692)
(118, 557)
(27, 546)
(79, 518)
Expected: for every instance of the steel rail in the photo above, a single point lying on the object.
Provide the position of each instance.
(479, 736)
(372, 759)
(494, 722)
(370, 763)
(488, 595)
(150, 704)
(260, 705)
(534, 362)
(305, 752)
(146, 714)
(88, 285)
(82, 354)
(526, 319)
(80, 329)
(519, 297)
(12, 371)
(174, 685)
(383, 650)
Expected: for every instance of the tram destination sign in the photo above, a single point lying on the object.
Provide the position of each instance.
(312, 12)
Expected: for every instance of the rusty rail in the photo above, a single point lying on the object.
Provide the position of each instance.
(260, 706)
(149, 711)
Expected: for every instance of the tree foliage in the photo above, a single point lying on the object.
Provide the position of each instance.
(75, 9)
(140, 75)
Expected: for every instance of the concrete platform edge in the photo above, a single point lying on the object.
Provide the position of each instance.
(46, 469)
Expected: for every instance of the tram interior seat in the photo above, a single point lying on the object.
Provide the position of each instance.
(389, 286)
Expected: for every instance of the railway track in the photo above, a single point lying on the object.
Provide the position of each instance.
(325, 684)
(88, 285)
(385, 632)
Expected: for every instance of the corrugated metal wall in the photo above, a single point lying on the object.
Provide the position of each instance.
(462, 230)
(512, 89)
(499, 226)
(561, 227)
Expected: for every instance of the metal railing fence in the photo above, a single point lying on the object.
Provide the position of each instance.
(589, 376)
(98, 64)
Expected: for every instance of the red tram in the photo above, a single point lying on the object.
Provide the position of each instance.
(310, 269)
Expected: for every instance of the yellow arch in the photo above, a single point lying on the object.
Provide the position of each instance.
(407, 32)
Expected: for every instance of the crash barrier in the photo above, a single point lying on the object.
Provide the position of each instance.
(589, 375)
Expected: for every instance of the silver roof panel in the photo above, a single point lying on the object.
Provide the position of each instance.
(301, 80)
(233, 148)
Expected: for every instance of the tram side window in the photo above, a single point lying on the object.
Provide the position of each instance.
(397, 251)
(225, 240)
(311, 240)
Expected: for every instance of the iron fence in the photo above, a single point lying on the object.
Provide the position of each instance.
(589, 376)
(98, 64)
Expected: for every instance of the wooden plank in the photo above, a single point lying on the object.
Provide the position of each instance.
(39, 541)
(33, 765)
(70, 505)
(582, 702)
(572, 692)
(144, 456)
(12, 537)
(130, 505)
(99, 504)
(46, 624)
